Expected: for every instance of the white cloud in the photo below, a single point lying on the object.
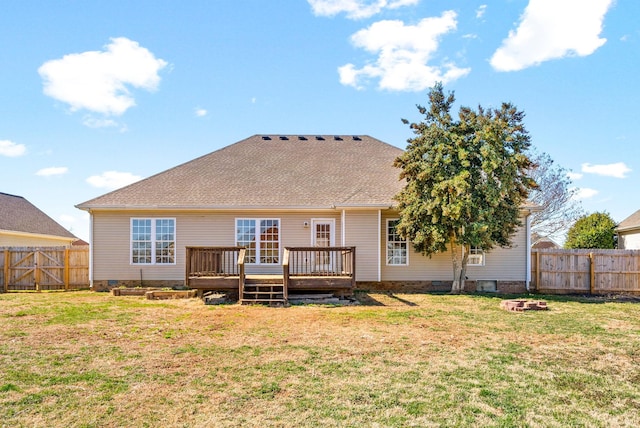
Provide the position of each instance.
(403, 55)
(54, 170)
(584, 193)
(551, 29)
(99, 81)
(617, 170)
(481, 11)
(93, 122)
(574, 175)
(356, 9)
(112, 179)
(200, 112)
(11, 149)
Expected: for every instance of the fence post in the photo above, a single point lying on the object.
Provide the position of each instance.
(66, 269)
(592, 274)
(36, 270)
(7, 263)
(537, 270)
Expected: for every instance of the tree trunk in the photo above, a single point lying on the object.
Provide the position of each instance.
(463, 267)
(456, 287)
(459, 270)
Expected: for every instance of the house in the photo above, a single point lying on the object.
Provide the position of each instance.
(543, 242)
(629, 232)
(22, 224)
(279, 198)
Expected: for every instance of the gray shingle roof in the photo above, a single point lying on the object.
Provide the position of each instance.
(272, 171)
(631, 222)
(19, 215)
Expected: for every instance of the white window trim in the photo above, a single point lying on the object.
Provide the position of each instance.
(153, 241)
(474, 254)
(386, 248)
(258, 220)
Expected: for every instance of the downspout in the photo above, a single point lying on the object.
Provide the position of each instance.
(379, 245)
(343, 221)
(90, 250)
(528, 263)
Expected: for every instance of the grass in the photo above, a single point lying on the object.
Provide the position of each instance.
(93, 360)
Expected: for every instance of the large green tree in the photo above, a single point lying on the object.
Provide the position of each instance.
(466, 179)
(595, 230)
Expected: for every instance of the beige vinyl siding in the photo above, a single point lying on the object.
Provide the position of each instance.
(11, 240)
(507, 264)
(629, 241)
(112, 239)
(500, 263)
(361, 231)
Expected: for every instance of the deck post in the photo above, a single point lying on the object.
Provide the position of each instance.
(187, 266)
(353, 268)
(241, 255)
(285, 274)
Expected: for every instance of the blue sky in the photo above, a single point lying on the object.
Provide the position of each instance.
(97, 94)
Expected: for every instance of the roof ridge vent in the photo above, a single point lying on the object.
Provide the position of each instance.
(266, 137)
(302, 138)
(337, 138)
(357, 138)
(284, 137)
(319, 138)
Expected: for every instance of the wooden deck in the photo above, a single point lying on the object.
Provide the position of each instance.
(308, 269)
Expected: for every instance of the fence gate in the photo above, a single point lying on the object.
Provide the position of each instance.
(40, 269)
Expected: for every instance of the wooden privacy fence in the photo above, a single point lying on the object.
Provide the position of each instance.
(43, 268)
(556, 271)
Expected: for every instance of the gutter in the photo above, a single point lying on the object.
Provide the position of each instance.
(528, 258)
(90, 208)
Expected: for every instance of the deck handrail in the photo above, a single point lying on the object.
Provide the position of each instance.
(321, 261)
(212, 261)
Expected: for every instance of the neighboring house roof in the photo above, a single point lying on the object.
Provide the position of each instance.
(630, 223)
(271, 171)
(19, 215)
(545, 242)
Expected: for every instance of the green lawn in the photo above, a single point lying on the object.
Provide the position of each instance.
(87, 359)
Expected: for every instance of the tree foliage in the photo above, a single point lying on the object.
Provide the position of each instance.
(592, 231)
(465, 179)
(558, 208)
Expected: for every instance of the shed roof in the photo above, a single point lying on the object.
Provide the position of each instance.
(19, 215)
(631, 222)
(271, 171)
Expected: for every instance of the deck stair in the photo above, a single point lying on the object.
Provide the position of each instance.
(264, 290)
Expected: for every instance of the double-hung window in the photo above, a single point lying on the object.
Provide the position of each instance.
(153, 241)
(476, 257)
(261, 238)
(397, 248)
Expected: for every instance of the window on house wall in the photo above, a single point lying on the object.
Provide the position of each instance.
(153, 241)
(261, 238)
(397, 248)
(476, 257)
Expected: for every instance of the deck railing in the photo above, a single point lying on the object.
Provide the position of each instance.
(214, 261)
(320, 261)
